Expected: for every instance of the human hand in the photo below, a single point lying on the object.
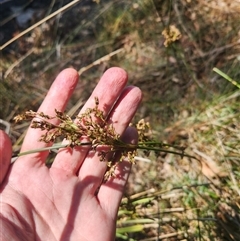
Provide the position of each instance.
(60, 203)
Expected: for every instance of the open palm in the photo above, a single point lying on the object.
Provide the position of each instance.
(67, 201)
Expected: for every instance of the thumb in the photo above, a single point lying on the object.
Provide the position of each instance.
(5, 154)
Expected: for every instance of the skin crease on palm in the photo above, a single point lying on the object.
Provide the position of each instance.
(60, 203)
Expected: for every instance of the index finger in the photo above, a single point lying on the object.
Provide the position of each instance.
(57, 98)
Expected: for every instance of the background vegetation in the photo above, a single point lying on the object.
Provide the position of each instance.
(168, 197)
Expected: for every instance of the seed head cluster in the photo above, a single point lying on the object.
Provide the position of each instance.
(94, 127)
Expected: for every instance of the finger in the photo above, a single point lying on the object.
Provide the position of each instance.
(125, 109)
(113, 189)
(5, 154)
(107, 91)
(120, 117)
(57, 98)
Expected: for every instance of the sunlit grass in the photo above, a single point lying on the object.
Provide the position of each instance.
(193, 191)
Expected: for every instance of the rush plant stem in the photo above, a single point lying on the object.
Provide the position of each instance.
(119, 147)
(93, 125)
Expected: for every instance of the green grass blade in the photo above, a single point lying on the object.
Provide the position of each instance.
(218, 71)
(131, 229)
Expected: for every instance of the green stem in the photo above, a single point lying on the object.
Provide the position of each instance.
(118, 146)
(53, 147)
(56, 146)
(164, 150)
(218, 71)
(154, 143)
